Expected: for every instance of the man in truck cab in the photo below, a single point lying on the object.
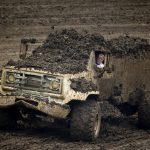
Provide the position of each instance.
(100, 60)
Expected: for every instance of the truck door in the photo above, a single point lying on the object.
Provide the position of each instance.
(105, 79)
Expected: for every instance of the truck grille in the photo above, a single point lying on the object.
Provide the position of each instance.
(34, 82)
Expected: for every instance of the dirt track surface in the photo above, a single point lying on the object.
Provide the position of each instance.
(121, 133)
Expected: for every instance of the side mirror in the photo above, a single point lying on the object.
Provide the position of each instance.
(23, 50)
(24, 47)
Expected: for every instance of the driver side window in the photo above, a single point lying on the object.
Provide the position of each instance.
(100, 60)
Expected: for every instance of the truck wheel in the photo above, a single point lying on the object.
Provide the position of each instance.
(7, 121)
(144, 115)
(85, 121)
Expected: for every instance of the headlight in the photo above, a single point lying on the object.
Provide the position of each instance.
(11, 78)
(55, 85)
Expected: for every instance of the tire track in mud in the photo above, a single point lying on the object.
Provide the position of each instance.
(137, 140)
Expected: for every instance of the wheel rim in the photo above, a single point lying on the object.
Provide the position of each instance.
(97, 125)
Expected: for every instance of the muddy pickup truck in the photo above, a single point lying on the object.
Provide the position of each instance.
(58, 94)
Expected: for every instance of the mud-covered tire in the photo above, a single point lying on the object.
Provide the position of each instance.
(144, 115)
(7, 120)
(85, 121)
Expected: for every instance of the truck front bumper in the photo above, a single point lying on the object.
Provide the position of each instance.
(52, 108)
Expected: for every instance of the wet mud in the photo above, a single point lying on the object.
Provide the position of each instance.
(82, 85)
(117, 133)
(129, 46)
(68, 51)
(108, 110)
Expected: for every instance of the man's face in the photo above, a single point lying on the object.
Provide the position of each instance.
(100, 58)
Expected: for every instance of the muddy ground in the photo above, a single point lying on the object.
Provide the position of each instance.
(122, 133)
(117, 133)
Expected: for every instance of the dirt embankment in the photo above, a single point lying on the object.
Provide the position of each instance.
(68, 51)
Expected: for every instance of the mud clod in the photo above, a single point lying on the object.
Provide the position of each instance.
(129, 46)
(108, 110)
(82, 85)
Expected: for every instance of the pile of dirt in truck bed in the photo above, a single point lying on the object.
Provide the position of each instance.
(82, 85)
(68, 51)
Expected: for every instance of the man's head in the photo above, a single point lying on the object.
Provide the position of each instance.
(100, 58)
